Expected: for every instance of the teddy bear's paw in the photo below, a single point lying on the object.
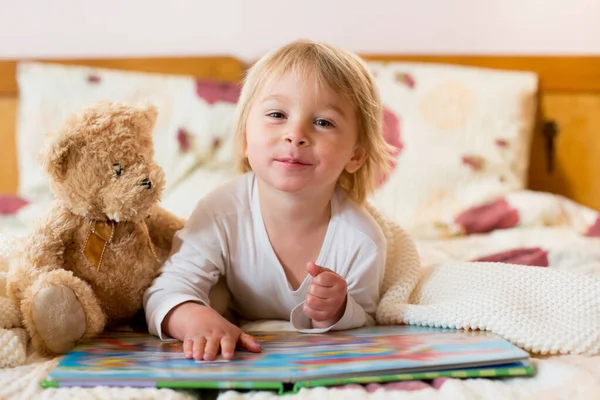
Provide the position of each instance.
(58, 317)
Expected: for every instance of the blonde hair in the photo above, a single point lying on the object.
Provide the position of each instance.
(344, 73)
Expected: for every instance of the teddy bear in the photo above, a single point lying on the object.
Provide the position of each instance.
(88, 260)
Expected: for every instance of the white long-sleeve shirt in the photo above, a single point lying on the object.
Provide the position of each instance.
(225, 235)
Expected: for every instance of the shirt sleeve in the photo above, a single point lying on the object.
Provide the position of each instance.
(364, 278)
(194, 266)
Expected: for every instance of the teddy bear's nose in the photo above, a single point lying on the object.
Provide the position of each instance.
(146, 182)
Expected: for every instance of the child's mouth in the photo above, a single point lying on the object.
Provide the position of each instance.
(292, 162)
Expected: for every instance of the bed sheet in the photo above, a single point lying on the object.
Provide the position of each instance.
(553, 233)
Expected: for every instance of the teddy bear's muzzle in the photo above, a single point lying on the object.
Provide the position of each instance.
(147, 183)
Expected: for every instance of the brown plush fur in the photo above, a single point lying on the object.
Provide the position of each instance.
(83, 160)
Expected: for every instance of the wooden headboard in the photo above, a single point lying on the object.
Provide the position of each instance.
(565, 150)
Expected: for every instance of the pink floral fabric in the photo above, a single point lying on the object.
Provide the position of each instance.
(488, 217)
(521, 209)
(10, 204)
(527, 256)
(391, 134)
(464, 140)
(594, 230)
(213, 91)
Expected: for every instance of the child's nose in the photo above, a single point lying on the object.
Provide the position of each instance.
(297, 138)
(297, 142)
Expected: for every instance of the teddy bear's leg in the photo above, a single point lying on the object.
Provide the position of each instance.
(60, 309)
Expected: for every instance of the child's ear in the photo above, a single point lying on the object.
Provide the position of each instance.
(358, 159)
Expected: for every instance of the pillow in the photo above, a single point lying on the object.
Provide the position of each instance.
(183, 198)
(11, 204)
(193, 127)
(462, 137)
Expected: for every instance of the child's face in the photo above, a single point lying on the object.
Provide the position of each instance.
(300, 139)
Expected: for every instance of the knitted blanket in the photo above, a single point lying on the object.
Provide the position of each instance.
(541, 310)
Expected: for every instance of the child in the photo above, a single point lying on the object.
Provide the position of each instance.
(290, 235)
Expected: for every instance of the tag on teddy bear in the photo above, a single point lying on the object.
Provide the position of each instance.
(95, 245)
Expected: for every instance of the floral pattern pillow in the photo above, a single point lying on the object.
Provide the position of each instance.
(461, 136)
(11, 204)
(193, 127)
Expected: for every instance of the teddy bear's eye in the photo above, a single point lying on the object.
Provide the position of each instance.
(118, 169)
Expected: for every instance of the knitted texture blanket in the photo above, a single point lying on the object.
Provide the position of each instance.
(13, 339)
(541, 310)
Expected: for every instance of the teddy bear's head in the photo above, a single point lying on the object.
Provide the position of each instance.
(100, 162)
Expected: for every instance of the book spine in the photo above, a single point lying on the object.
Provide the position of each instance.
(234, 385)
(482, 373)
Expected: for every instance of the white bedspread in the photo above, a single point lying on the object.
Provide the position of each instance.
(553, 245)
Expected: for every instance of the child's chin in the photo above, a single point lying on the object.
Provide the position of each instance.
(291, 185)
(290, 188)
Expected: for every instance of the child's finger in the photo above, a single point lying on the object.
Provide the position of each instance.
(316, 303)
(227, 347)
(212, 348)
(313, 269)
(199, 345)
(315, 315)
(321, 292)
(188, 348)
(329, 279)
(249, 342)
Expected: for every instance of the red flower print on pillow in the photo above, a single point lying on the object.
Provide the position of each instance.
(94, 79)
(533, 256)
(213, 91)
(488, 217)
(10, 205)
(502, 143)
(391, 134)
(185, 140)
(474, 162)
(594, 230)
(405, 79)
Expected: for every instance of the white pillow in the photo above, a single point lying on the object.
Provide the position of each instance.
(464, 135)
(193, 127)
(183, 198)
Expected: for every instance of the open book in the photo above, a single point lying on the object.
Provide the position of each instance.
(291, 360)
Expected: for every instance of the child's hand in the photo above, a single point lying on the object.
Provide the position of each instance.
(326, 299)
(205, 333)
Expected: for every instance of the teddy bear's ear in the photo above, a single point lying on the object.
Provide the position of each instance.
(53, 157)
(148, 113)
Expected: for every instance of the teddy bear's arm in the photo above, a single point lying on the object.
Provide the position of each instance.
(162, 226)
(47, 242)
(42, 250)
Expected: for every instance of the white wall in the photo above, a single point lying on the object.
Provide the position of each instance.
(247, 28)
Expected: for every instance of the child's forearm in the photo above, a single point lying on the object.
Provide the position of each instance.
(184, 318)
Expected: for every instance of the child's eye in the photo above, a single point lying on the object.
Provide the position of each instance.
(275, 114)
(117, 169)
(324, 123)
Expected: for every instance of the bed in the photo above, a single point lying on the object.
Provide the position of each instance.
(497, 161)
